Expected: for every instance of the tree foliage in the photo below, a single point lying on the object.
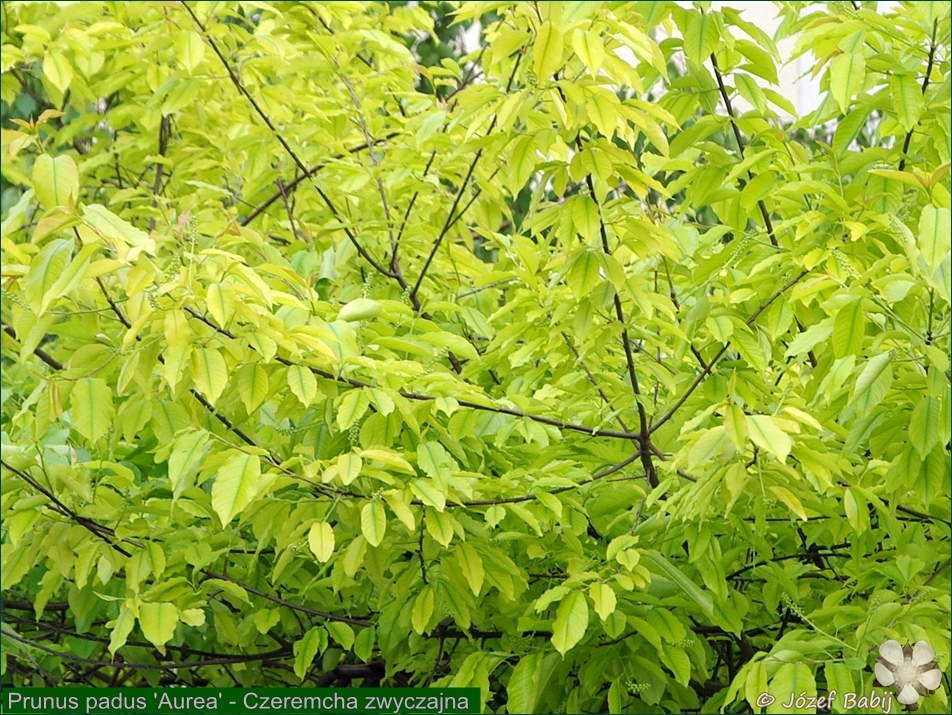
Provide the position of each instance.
(571, 369)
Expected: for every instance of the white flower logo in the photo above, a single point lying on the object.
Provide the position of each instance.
(911, 671)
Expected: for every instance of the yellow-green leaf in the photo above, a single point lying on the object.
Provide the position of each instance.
(571, 622)
(847, 74)
(348, 467)
(118, 231)
(906, 98)
(189, 49)
(236, 485)
(320, 539)
(924, 425)
(790, 678)
(583, 274)
(55, 181)
(70, 277)
(935, 236)
(589, 48)
(603, 596)
(439, 525)
(158, 622)
(849, 329)
(422, 610)
(360, 309)
(700, 38)
(342, 633)
(57, 69)
(187, 449)
(471, 566)
(92, 409)
(220, 299)
(352, 407)
(313, 642)
(373, 522)
(790, 499)
(547, 51)
(121, 628)
(767, 434)
(45, 270)
(587, 222)
(303, 384)
(209, 373)
(401, 509)
(428, 493)
(253, 385)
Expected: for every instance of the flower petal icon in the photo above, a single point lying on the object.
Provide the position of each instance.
(910, 670)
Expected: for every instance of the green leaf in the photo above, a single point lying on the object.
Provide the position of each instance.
(121, 628)
(114, 229)
(590, 49)
(236, 485)
(790, 499)
(583, 274)
(341, 633)
(849, 329)
(428, 493)
(924, 425)
(92, 408)
(187, 449)
(352, 407)
(360, 309)
(439, 525)
(209, 372)
(768, 435)
(220, 300)
(320, 539)
(373, 522)
(305, 650)
(659, 564)
(303, 384)
(790, 678)
(586, 220)
(189, 49)
(571, 622)
(433, 460)
(57, 69)
(422, 610)
(529, 680)
(849, 128)
(55, 181)
(906, 98)
(756, 684)
(158, 622)
(547, 51)
(701, 37)
(522, 163)
(70, 277)
(401, 509)
(46, 268)
(364, 644)
(935, 236)
(471, 566)
(847, 74)
(348, 467)
(603, 596)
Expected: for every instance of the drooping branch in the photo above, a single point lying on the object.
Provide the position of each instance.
(710, 365)
(235, 80)
(451, 217)
(104, 533)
